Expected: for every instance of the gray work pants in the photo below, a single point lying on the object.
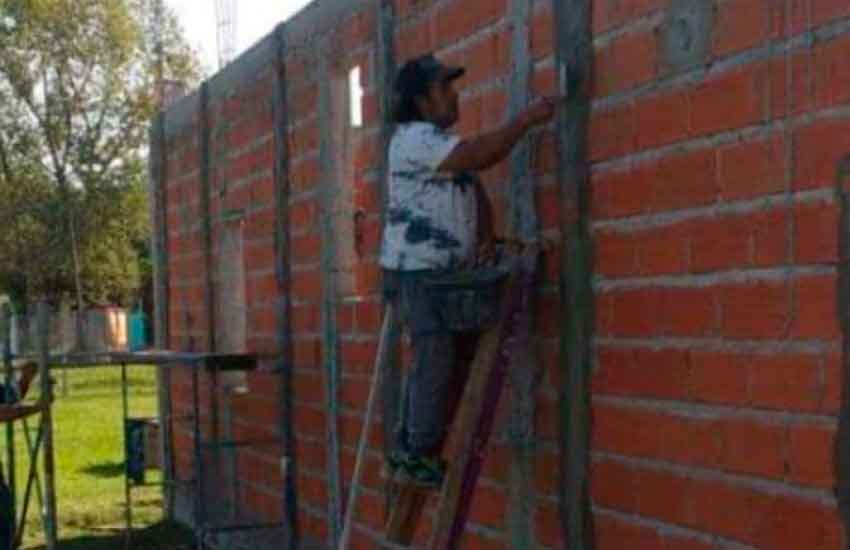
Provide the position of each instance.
(440, 367)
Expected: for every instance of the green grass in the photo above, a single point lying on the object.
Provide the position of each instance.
(88, 442)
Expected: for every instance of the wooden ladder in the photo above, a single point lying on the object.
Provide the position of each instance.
(481, 396)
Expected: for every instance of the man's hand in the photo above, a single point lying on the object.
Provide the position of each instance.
(541, 111)
(488, 149)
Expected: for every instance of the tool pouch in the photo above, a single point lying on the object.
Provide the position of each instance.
(468, 300)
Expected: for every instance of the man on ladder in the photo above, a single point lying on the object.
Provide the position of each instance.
(438, 222)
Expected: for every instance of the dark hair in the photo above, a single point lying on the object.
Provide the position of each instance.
(406, 110)
(410, 83)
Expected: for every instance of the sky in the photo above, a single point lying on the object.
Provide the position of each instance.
(255, 19)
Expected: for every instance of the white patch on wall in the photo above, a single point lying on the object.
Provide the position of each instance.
(355, 90)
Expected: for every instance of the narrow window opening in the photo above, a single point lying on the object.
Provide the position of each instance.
(355, 90)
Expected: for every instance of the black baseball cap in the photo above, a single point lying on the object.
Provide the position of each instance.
(418, 74)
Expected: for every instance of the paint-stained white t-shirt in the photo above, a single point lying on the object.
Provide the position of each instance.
(431, 217)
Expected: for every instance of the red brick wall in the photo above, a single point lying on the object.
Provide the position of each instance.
(716, 381)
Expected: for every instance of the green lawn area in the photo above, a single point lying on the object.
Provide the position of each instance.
(89, 452)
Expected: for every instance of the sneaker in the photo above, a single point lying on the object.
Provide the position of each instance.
(394, 461)
(424, 471)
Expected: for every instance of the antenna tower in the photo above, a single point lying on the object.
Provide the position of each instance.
(225, 11)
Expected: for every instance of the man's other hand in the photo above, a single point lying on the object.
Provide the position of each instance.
(541, 111)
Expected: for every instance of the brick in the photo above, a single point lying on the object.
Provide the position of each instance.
(485, 59)
(547, 466)
(740, 25)
(262, 320)
(720, 243)
(689, 312)
(489, 506)
(720, 378)
(833, 373)
(731, 100)
(663, 495)
(306, 351)
(769, 237)
(831, 74)
(547, 523)
(626, 431)
(306, 285)
(350, 428)
(370, 510)
(312, 489)
(544, 82)
(308, 387)
(304, 174)
(818, 149)
(655, 374)
(354, 392)
(358, 352)
(357, 31)
(614, 533)
(685, 181)
(825, 11)
(810, 455)
(616, 254)
(634, 61)
(608, 15)
(632, 312)
(791, 84)
(416, 38)
(787, 523)
(369, 316)
(480, 541)
(541, 34)
(672, 542)
(614, 485)
(722, 508)
(816, 308)
(457, 19)
(752, 169)
(752, 447)
(755, 311)
(664, 250)
(816, 232)
(786, 382)
(612, 132)
(662, 119)
(621, 193)
(305, 247)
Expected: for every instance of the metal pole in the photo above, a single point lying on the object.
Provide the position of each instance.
(282, 248)
(10, 426)
(128, 497)
(199, 462)
(32, 476)
(50, 529)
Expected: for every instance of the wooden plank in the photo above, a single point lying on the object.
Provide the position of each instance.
(405, 513)
(573, 58)
(480, 401)
(280, 113)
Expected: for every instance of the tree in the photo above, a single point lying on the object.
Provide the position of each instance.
(77, 90)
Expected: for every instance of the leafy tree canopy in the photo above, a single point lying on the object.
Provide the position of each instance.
(78, 87)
